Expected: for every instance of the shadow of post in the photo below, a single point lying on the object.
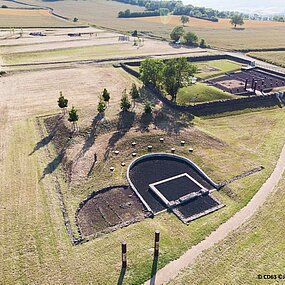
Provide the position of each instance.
(122, 275)
(153, 270)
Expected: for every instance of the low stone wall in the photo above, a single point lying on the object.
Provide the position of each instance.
(221, 106)
(274, 72)
(130, 70)
(201, 58)
(110, 229)
(215, 107)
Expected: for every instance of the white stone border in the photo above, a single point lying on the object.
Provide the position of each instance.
(169, 155)
(170, 203)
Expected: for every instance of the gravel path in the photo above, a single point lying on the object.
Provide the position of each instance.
(171, 270)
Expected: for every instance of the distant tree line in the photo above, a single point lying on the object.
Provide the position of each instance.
(279, 18)
(128, 14)
(156, 8)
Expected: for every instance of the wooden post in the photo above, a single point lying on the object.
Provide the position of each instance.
(246, 82)
(156, 243)
(124, 254)
(255, 85)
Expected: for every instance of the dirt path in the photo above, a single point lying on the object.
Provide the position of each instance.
(171, 270)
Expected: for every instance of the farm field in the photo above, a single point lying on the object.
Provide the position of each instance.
(200, 92)
(274, 57)
(221, 35)
(255, 35)
(58, 46)
(35, 93)
(23, 18)
(256, 245)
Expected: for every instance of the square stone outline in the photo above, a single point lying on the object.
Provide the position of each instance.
(182, 199)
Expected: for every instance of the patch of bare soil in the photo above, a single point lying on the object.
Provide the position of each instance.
(108, 210)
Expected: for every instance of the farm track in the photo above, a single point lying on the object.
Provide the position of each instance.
(171, 270)
(91, 61)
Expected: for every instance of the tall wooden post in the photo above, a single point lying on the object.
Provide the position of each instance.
(255, 84)
(124, 254)
(252, 83)
(156, 243)
(246, 82)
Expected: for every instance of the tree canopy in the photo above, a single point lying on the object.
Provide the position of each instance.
(191, 38)
(101, 106)
(62, 102)
(237, 19)
(125, 103)
(184, 20)
(106, 95)
(173, 74)
(177, 74)
(177, 33)
(148, 108)
(135, 94)
(151, 71)
(73, 117)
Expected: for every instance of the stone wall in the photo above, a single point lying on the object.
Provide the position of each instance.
(221, 106)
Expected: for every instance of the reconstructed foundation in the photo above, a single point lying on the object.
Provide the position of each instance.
(170, 182)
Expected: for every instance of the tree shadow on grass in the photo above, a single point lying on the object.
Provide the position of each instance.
(238, 29)
(46, 140)
(125, 123)
(171, 121)
(145, 121)
(53, 165)
(90, 140)
(147, 96)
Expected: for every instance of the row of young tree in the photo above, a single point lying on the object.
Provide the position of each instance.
(104, 100)
(73, 116)
(168, 76)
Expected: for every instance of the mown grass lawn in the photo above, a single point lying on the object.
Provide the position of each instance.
(215, 68)
(255, 248)
(34, 245)
(200, 92)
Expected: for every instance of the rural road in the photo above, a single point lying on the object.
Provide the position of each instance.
(172, 269)
(257, 61)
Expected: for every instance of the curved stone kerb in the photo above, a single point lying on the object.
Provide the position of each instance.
(169, 155)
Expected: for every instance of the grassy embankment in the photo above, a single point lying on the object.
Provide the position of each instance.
(33, 206)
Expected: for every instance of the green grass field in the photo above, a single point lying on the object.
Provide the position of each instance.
(254, 248)
(274, 57)
(40, 252)
(215, 68)
(200, 92)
